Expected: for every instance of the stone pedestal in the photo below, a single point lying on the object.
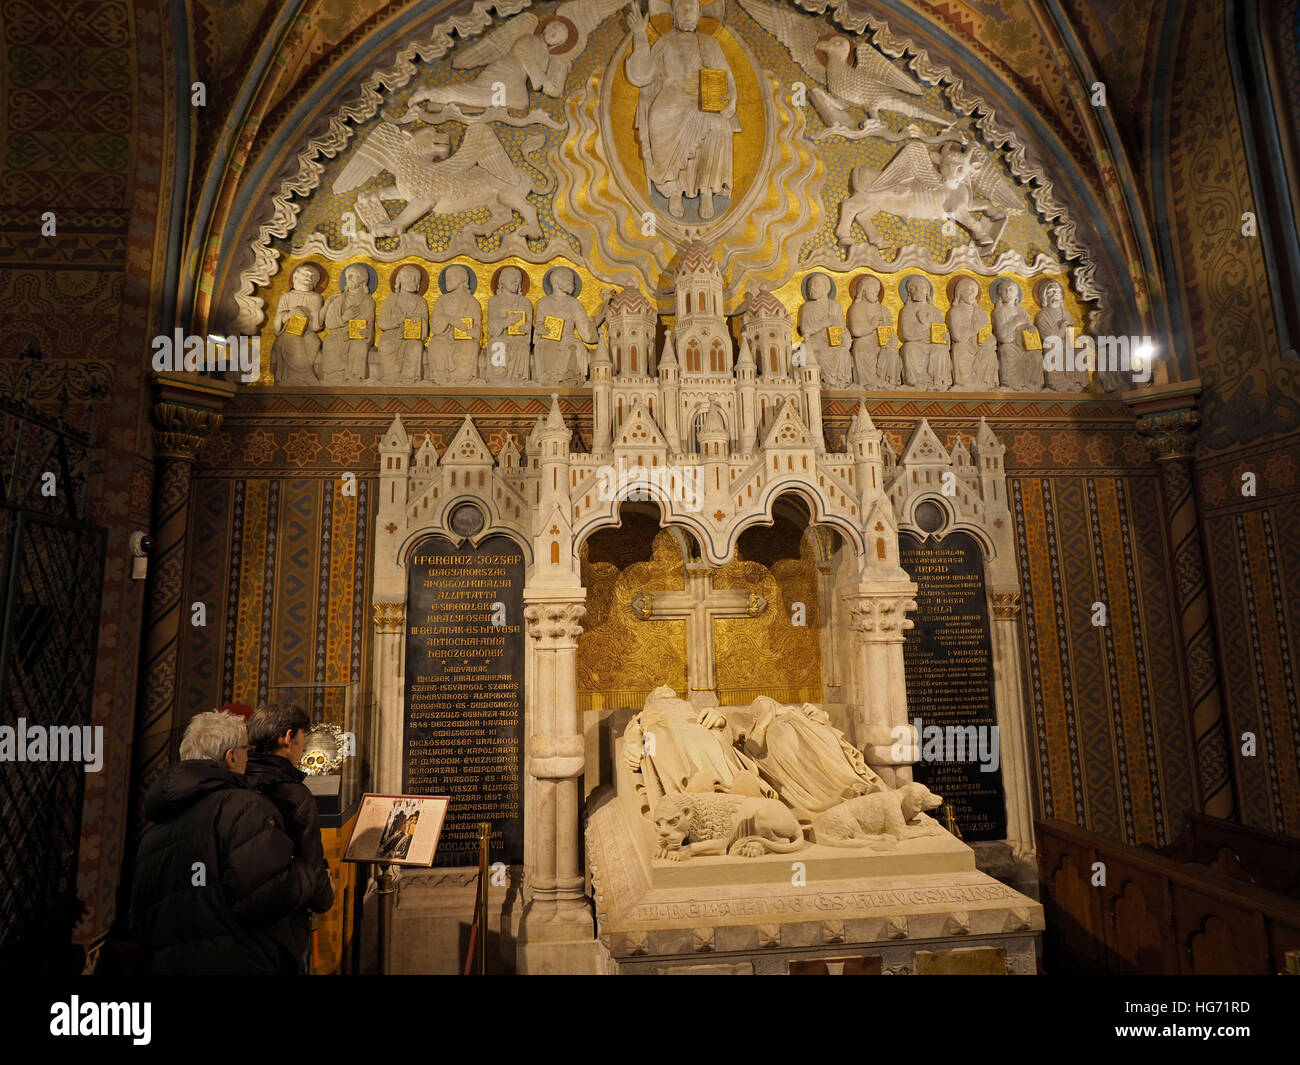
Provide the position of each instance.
(432, 915)
(1009, 699)
(878, 620)
(757, 915)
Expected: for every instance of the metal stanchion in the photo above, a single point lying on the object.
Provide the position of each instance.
(950, 820)
(484, 833)
(387, 889)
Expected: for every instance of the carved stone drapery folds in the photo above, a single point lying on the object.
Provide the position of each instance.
(186, 410)
(1170, 432)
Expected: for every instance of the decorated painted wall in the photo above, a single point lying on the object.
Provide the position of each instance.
(1246, 351)
(159, 204)
(89, 141)
(1108, 705)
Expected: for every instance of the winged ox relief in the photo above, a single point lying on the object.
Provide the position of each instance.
(956, 181)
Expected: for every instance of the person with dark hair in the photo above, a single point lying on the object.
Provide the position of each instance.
(277, 735)
(215, 872)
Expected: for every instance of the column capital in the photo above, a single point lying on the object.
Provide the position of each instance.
(1005, 604)
(559, 620)
(880, 617)
(390, 617)
(1170, 435)
(1167, 417)
(186, 409)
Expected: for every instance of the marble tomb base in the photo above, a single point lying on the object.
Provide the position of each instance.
(757, 915)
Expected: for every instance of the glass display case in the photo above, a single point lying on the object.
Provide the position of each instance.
(336, 761)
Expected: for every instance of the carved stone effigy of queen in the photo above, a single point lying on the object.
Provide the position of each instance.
(686, 110)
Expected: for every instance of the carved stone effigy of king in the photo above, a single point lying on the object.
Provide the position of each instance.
(770, 781)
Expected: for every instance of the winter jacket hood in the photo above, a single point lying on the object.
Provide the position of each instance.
(187, 783)
(272, 767)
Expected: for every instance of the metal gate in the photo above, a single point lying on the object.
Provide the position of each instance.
(51, 573)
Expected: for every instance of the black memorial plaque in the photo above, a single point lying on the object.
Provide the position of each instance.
(948, 660)
(463, 731)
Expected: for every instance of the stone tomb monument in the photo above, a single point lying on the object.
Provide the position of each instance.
(675, 347)
(744, 839)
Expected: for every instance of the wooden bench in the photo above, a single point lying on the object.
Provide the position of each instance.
(1158, 913)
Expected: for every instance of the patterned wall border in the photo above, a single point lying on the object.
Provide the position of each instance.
(1275, 464)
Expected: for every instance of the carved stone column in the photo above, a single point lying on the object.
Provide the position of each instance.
(833, 690)
(390, 654)
(186, 409)
(878, 620)
(557, 910)
(1009, 700)
(1171, 437)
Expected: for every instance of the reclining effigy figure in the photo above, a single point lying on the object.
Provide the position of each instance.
(759, 784)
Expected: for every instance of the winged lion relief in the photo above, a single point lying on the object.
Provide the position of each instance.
(431, 177)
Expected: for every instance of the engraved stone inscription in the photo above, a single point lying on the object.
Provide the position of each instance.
(463, 727)
(822, 901)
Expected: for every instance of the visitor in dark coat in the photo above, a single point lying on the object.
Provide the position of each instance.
(278, 737)
(215, 871)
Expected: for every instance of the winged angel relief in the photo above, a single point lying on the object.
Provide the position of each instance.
(525, 50)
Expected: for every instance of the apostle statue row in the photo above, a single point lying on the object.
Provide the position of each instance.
(404, 343)
(966, 349)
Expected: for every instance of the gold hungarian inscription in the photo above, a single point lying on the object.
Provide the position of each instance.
(464, 696)
(948, 660)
